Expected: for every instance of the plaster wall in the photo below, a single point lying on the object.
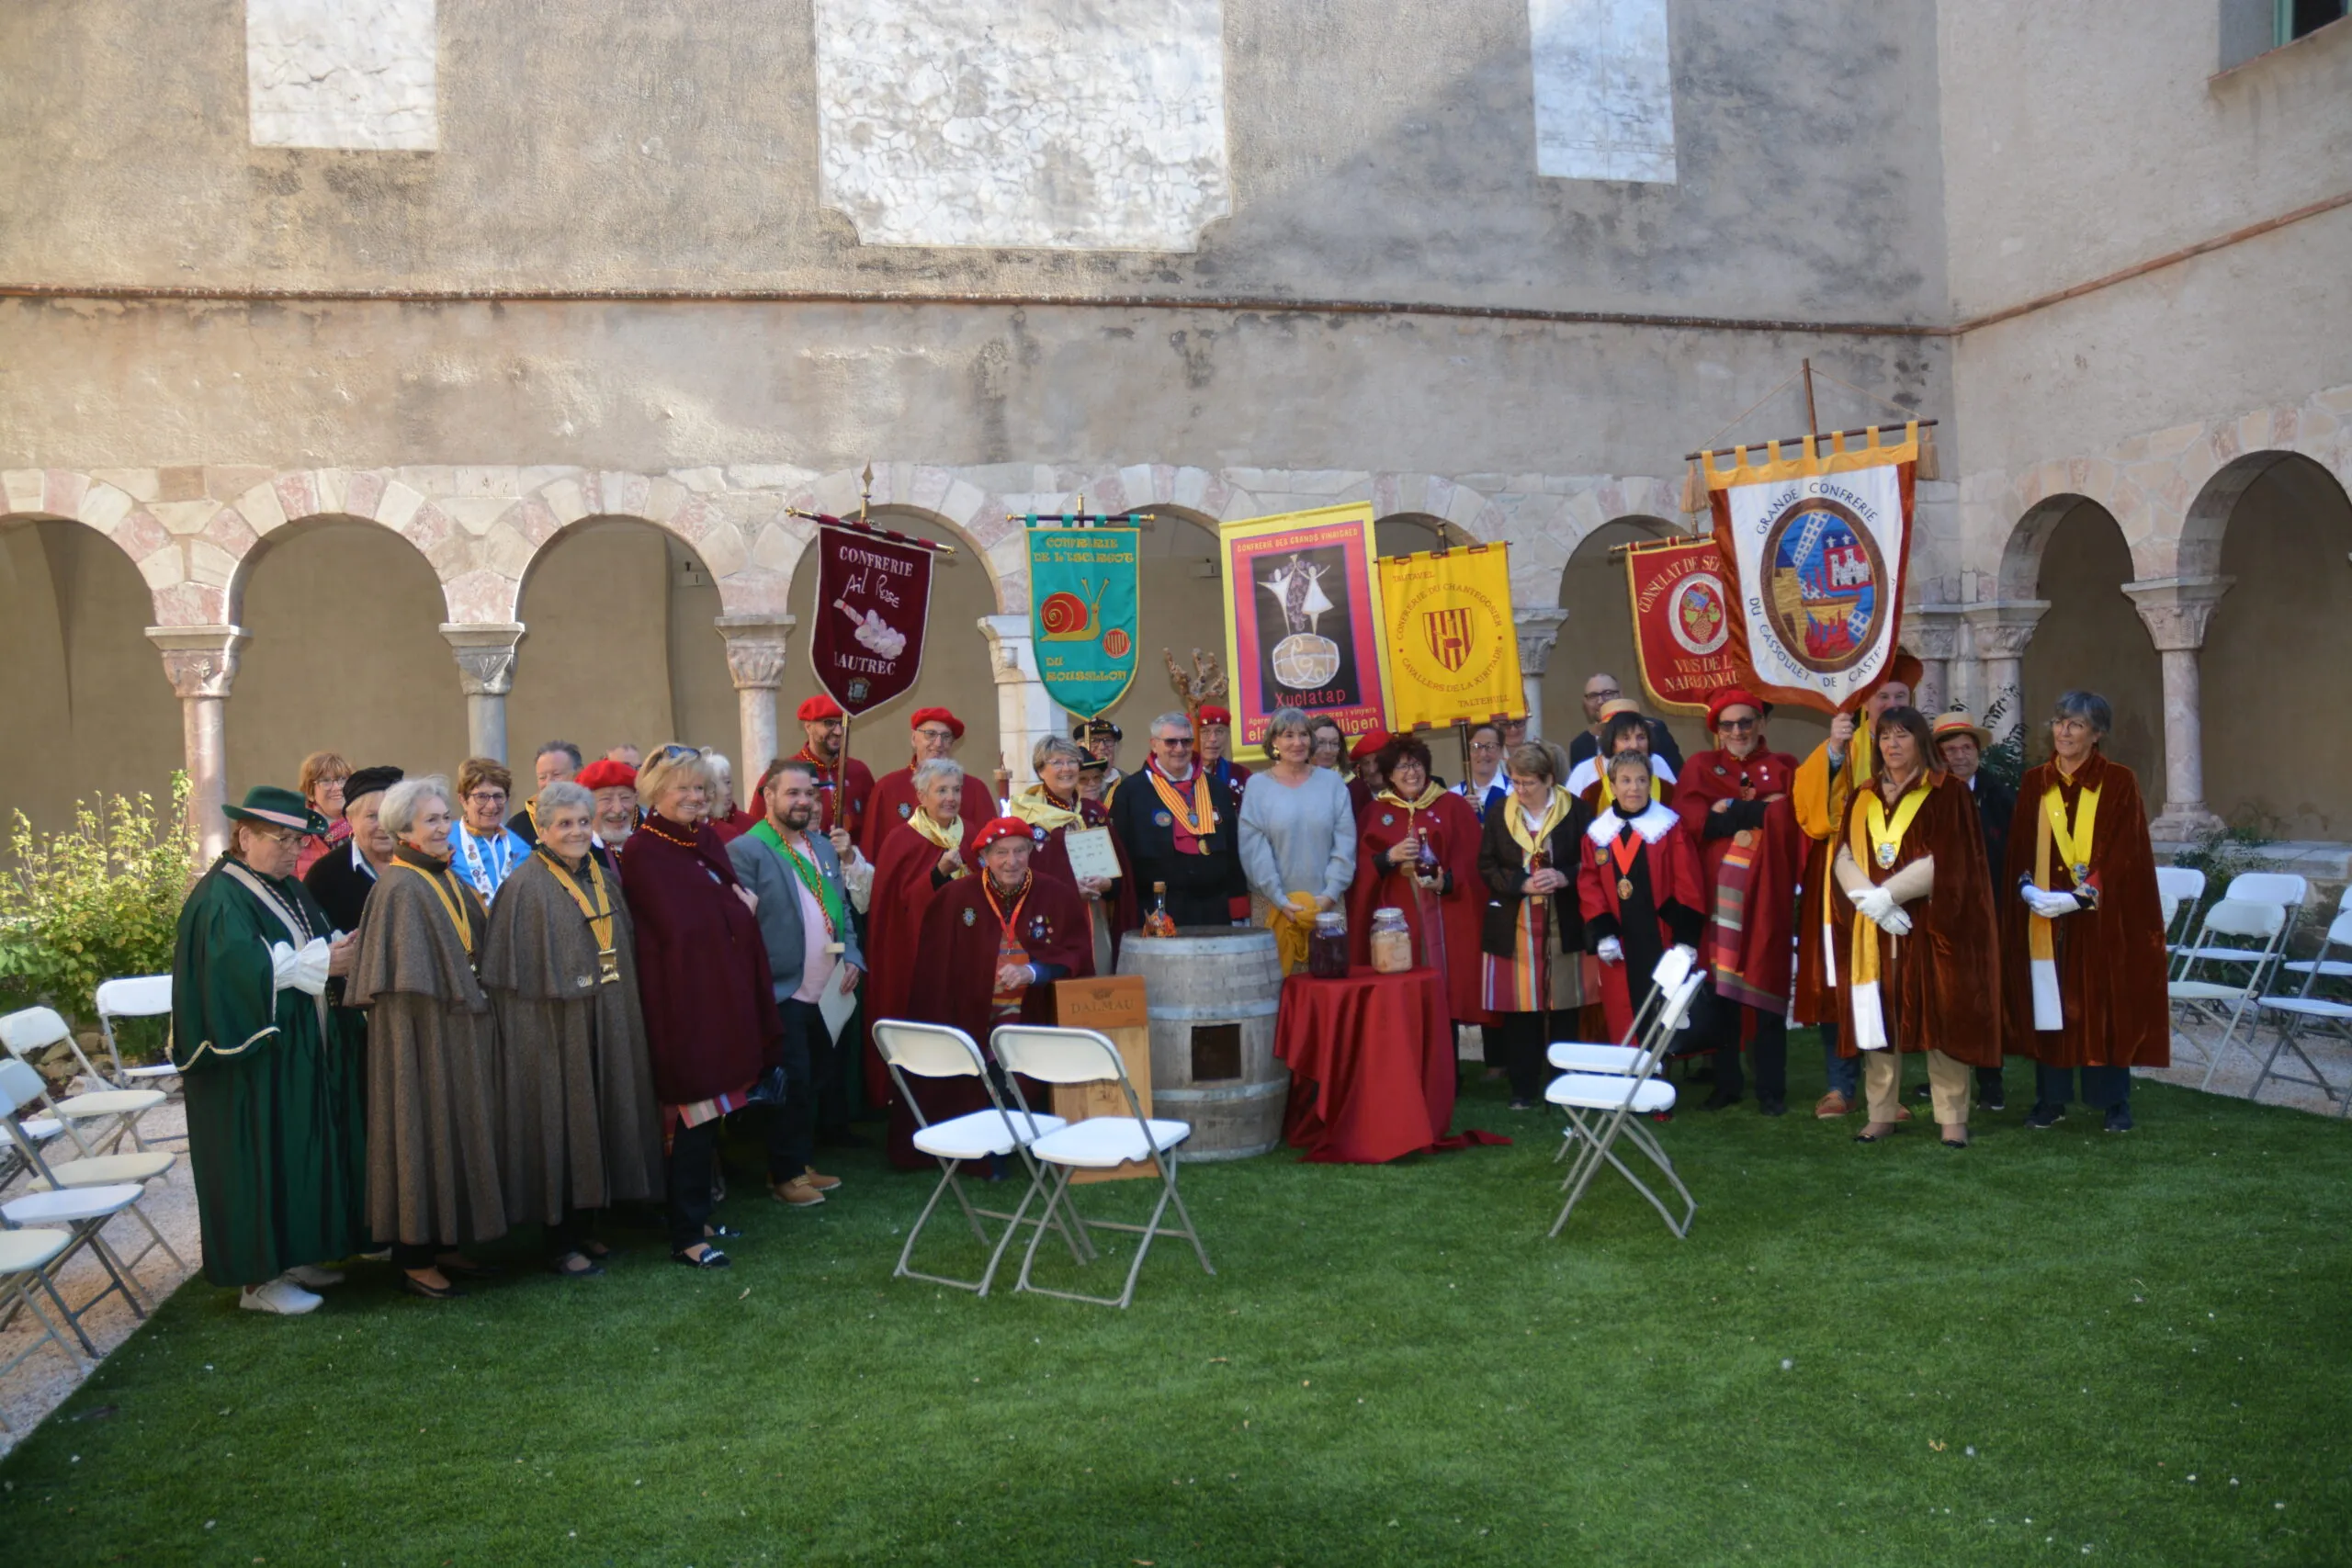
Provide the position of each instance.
(2093, 640)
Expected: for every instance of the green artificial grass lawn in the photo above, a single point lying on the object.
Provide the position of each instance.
(2053, 1346)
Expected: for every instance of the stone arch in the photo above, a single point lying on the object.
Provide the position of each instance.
(2020, 566)
(305, 496)
(484, 582)
(1410, 533)
(1431, 498)
(150, 543)
(2070, 551)
(2205, 524)
(1598, 634)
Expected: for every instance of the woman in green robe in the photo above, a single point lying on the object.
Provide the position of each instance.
(276, 1114)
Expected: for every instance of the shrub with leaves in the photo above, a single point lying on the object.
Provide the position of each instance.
(2005, 763)
(100, 899)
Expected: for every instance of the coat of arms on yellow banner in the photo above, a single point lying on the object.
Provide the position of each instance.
(1452, 648)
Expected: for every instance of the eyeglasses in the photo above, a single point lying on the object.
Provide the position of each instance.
(934, 732)
(1486, 745)
(487, 796)
(1604, 693)
(1185, 740)
(1736, 726)
(278, 835)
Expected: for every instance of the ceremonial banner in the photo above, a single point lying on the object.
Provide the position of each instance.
(1082, 615)
(1682, 611)
(1819, 541)
(873, 602)
(1452, 648)
(1302, 619)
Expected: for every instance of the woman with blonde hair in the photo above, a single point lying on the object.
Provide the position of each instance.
(1298, 837)
(323, 776)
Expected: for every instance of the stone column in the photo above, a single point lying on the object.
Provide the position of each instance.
(202, 662)
(1999, 631)
(1025, 714)
(485, 653)
(756, 650)
(2177, 610)
(1933, 631)
(1539, 631)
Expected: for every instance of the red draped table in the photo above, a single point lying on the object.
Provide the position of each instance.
(1372, 1064)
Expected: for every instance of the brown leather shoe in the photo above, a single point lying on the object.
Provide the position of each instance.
(795, 1194)
(819, 1179)
(1831, 1106)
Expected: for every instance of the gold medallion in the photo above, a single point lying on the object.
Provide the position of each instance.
(1624, 888)
(1744, 837)
(1886, 853)
(608, 967)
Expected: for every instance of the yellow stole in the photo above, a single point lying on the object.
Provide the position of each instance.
(1875, 841)
(1038, 807)
(453, 905)
(2075, 854)
(1199, 816)
(945, 838)
(1515, 819)
(598, 910)
(1818, 796)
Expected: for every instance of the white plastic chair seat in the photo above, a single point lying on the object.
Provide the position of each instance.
(2202, 991)
(1582, 1057)
(21, 1251)
(160, 1070)
(70, 1206)
(110, 1102)
(2225, 955)
(1101, 1143)
(1595, 1091)
(108, 1170)
(2327, 969)
(979, 1133)
(2309, 1006)
(40, 1129)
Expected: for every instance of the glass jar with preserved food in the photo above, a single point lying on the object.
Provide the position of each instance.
(1392, 942)
(1326, 950)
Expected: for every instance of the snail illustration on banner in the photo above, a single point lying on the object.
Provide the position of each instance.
(1066, 617)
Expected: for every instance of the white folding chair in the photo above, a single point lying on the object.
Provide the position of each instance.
(20, 1088)
(1583, 1056)
(2260, 908)
(99, 1119)
(2178, 889)
(1099, 1143)
(1602, 1108)
(2303, 1010)
(83, 1211)
(935, 1051)
(2323, 967)
(137, 996)
(25, 1259)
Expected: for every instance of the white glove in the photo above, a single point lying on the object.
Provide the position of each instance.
(1610, 951)
(1876, 904)
(305, 971)
(1894, 922)
(1688, 952)
(2048, 905)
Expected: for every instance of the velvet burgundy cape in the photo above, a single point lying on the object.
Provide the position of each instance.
(1453, 829)
(1676, 895)
(1767, 911)
(710, 1016)
(903, 890)
(1940, 985)
(893, 801)
(2111, 960)
(1049, 856)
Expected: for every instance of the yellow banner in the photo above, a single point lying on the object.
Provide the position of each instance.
(1452, 648)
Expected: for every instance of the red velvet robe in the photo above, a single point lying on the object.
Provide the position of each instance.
(960, 940)
(1452, 828)
(843, 803)
(1939, 988)
(1673, 868)
(702, 971)
(1749, 923)
(1050, 857)
(903, 891)
(2111, 960)
(893, 801)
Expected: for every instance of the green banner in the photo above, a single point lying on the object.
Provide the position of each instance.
(1082, 615)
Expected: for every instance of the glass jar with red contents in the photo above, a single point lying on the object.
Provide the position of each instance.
(1326, 949)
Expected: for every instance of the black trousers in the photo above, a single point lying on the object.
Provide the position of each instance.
(1520, 1039)
(1717, 1021)
(692, 1164)
(2103, 1088)
(792, 1126)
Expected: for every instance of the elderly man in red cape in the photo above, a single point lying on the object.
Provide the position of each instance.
(936, 732)
(1734, 802)
(844, 786)
(1365, 780)
(993, 946)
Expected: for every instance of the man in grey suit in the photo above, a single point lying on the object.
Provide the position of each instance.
(804, 914)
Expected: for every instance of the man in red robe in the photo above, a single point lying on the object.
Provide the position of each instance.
(1216, 748)
(1734, 802)
(993, 946)
(843, 785)
(936, 732)
(1365, 781)
(921, 857)
(1441, 893)
(1638, 889)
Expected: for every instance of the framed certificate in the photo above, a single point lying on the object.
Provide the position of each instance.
(1091, 852)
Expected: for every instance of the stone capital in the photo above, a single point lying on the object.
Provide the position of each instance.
(2001, 628)
(2177, 609)
(485, 651)
(1933, 631)
(201, 660)
(1539, 633)
(757, 648)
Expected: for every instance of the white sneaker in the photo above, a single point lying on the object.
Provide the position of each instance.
(313, 1276)
(281, 1296)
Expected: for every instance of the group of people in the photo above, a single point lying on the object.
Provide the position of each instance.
(411, 1017)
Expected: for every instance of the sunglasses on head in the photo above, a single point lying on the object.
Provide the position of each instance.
(676, 754)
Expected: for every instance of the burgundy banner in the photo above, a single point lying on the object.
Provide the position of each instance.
(873, 602)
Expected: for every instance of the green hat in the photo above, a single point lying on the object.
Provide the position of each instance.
(279, 808)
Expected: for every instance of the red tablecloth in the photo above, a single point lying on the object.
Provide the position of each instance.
(1372, 1064)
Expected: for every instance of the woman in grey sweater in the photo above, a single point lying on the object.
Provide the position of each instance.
(1298, 837)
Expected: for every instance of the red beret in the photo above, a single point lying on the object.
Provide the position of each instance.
(605, 774)
(1369, 745)
(818, 707)
(1002, 827)
(1731, 697)
(924, 715)
(1214, 714)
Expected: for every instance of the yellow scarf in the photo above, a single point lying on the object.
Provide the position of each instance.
(1430, 797)
(599, 912)
(453, 905)
(2075, 854)
(1038, 807)
(1515, 819)
(1877, 843)
(945, 838)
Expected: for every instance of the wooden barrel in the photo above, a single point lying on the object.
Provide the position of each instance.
(1211, 993)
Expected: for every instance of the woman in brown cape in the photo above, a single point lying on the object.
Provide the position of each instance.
(2083, 939)
(1917, 964)
(582, 1129)
(431, 1052)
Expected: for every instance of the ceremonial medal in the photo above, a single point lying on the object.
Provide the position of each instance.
(970, 916)
(1624, 888)
(1744, 837)
(2082, 871)
(1163, 818)
(905, 810)
(1037, 929)
(1886, 853)
(1038, 834)
(608, 968)
(1387, 820)
(1601, 857)
(1719, 770)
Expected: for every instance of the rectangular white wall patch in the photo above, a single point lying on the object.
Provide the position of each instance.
(1604, 90)
(355, 74)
